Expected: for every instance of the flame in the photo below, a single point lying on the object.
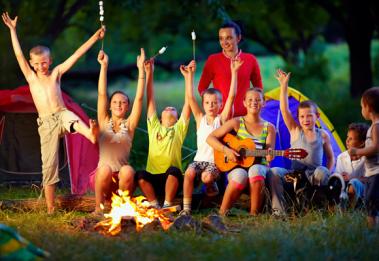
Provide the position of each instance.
(126, 207)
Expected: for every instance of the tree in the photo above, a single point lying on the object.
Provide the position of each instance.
(359, 19)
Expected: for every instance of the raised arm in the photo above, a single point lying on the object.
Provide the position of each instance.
(283, 79)
(102, 98)
(151, 107)
(214, 138)
(23, 63)
(235, 65)
(188, 73)
(330, 161)
(138, 100)
(66, 65)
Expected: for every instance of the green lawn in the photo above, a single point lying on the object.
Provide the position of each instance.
(316, 236)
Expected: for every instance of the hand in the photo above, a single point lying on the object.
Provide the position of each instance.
(100, 33)
(192, 66)
(102, 58)
(282, 77)
(269, 157)
(230, 154)
(352, 152)
(141, 59)
(149, 66)
(235, 64)
(9, 22)
(184, 70)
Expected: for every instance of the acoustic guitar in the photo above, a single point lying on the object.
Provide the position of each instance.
(246, 149)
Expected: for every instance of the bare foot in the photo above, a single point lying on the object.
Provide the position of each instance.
(94, 130)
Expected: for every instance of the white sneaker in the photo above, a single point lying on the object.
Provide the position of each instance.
(211, 190)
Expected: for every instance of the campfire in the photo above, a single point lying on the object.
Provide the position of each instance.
(137, 209)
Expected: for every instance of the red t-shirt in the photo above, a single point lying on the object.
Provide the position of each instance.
(217, 71)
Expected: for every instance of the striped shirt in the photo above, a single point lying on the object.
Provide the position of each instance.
(259, 140)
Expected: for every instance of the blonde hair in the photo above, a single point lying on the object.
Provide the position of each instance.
(38, 50)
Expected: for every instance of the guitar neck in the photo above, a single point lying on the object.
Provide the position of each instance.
(263, 153)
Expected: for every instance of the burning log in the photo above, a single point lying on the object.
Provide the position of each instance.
(125, 207)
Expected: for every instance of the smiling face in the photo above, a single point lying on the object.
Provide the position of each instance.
(211, 104)
(353, 140)
(119, 105)
(228, 39)
(254, 101)
(307, 118)
(40, 63)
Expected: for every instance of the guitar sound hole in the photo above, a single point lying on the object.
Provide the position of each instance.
(242, 153)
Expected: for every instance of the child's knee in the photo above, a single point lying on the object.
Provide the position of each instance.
(277, 171)
(320, 176)
(175, 172)
(207, 177)
(257, 173)
(190, 173)
(239, 178)
(126, 173)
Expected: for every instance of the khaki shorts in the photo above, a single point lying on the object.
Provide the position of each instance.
(50, 129)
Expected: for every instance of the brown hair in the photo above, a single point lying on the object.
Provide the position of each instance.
(211, 91)
(360, 129)
(307, 104)
(38, 50)
(255, 89)
(119, 92)
(371, 98)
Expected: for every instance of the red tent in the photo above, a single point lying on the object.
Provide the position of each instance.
(82, 155)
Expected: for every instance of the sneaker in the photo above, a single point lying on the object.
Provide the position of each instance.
(211, 190)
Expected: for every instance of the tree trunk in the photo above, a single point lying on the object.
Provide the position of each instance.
(359, 34)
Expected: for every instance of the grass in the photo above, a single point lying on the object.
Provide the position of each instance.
(315, 236)
(318, 235)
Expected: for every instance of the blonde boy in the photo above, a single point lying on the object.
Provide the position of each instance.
(54, 119)
(203, 166)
